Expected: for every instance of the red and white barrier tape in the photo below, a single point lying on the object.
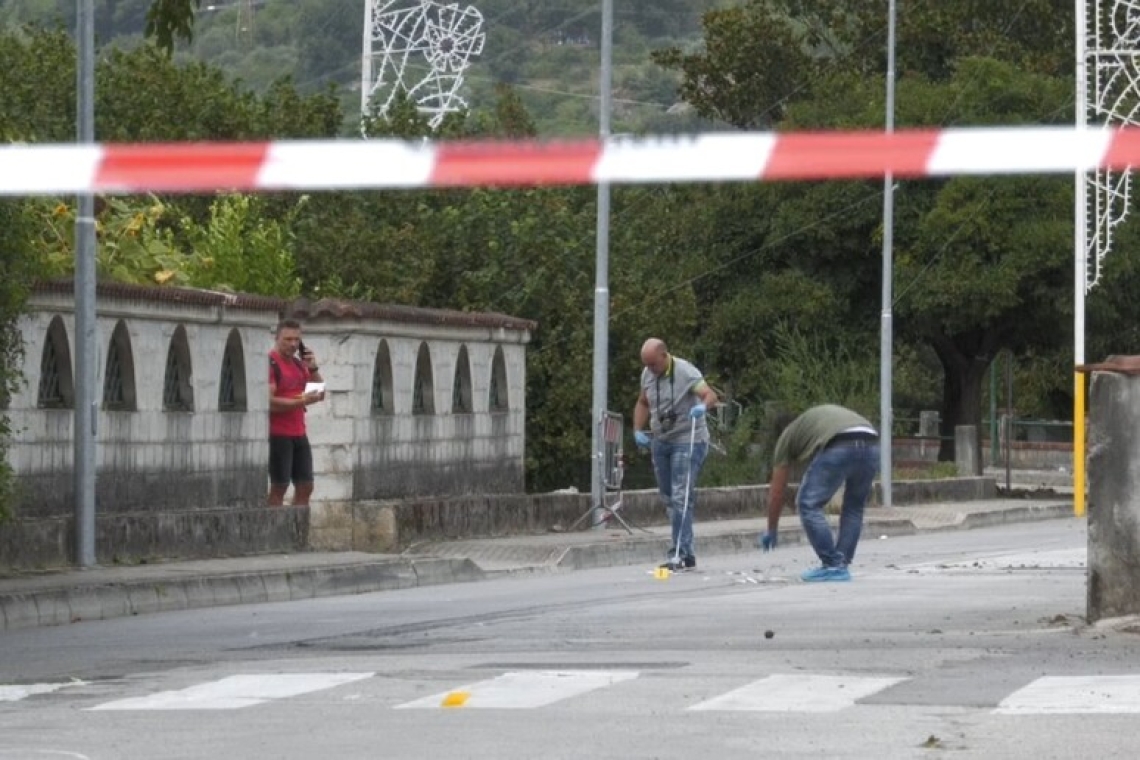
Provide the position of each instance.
(727, 157)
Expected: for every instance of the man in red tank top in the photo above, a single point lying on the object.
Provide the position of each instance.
(291, 367)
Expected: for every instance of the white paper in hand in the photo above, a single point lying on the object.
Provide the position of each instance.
(314, 388)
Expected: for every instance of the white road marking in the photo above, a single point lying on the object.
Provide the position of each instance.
(17, 692)
(1058, 695)
(525, 689)
(798, 693)
(235, 692)
(1059, 559)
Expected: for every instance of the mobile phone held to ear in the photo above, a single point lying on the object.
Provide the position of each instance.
(301, 349)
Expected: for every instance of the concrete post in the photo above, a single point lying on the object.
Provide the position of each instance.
(967, 456)
(929, 424)
(1113, 496)
(929, 433)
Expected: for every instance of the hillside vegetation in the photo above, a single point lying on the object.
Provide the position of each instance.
(548, 50)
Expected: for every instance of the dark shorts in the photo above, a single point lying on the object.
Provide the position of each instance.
(290, 459)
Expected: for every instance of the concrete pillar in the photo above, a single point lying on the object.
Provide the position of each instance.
(929, 424)
(1113, 448)
(967, 457)
(1005, 431)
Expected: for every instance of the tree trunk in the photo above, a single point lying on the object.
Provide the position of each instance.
(962, 377)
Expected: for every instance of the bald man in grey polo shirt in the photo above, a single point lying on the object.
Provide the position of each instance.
(669, 419)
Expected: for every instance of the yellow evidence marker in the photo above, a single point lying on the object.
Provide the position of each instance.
(456, 699)
(661, 573)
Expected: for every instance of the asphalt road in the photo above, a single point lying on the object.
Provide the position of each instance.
(965, 644)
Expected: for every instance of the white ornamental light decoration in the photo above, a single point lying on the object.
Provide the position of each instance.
(1113, 100)
(421, 47)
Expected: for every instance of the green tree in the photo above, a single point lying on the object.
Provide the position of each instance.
(133, 245)
(19, 267)
(243, 249)
(981, 264)
(37, 86)
(239, 247)
(141, 95)
(322, 28)
(168, 21)
(933, 35)
(754, 58)
(761, 56)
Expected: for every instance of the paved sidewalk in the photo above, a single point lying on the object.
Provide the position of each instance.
(68, 596)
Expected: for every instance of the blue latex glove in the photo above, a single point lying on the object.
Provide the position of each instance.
(698, 411)
(768, 541)
(641, 438)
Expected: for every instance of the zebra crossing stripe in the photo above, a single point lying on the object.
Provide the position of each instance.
(16, 692)
(1059, 695)
(235, 692)
(798, 693)
(522, 690)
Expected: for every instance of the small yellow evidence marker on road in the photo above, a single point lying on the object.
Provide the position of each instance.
(456, 699)
(661, 573)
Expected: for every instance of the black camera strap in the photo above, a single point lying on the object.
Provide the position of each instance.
(672, 398)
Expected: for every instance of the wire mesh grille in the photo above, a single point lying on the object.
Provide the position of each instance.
(113, 395)
(498, 391)
(175, 395)
(461, 388)
(227, 392)
(380, 403)
(50, 395)
(418, 395)
(422, 386)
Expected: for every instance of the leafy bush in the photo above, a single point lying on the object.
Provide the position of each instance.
(16, 262)
(812, 369)
(243, 249)
(736, 458)
(132, 245)
(144, 241)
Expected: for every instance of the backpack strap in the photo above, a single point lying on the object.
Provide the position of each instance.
(273, 365)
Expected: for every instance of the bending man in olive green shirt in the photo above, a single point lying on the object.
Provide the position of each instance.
(843, 450)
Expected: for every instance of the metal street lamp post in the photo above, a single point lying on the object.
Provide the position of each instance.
(886, 349)
(85, 409)
(602, 279)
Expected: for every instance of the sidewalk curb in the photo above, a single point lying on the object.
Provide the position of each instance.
(645, 550)
(1028, 513)
(110, 600)
(103, 600)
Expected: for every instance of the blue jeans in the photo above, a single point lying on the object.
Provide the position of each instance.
(853, 464)
(674, 467)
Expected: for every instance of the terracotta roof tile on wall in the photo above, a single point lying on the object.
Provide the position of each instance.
(154, 294)
(335, 308)
(301, 308)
